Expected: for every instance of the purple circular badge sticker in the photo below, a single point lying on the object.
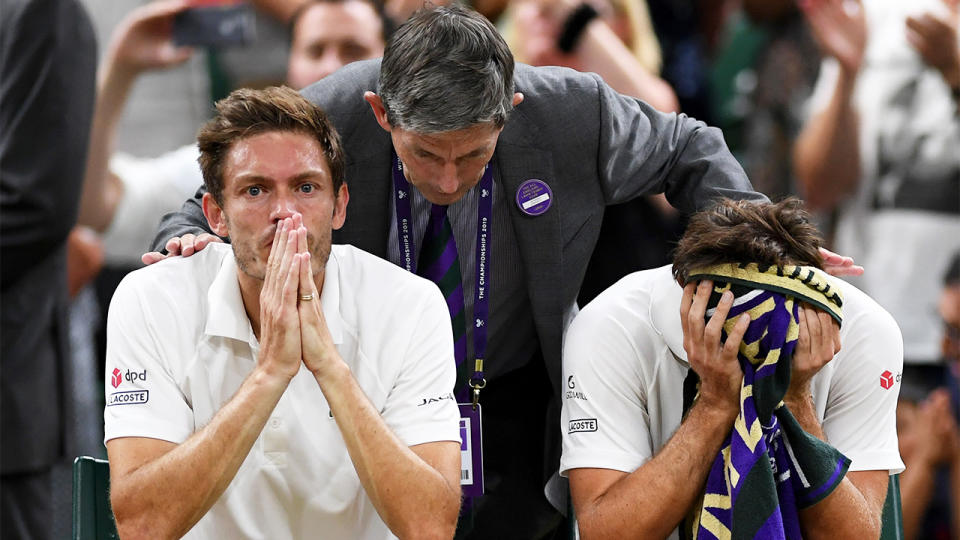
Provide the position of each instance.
(534, 197)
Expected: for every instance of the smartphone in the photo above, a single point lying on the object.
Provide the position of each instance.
(219, 25)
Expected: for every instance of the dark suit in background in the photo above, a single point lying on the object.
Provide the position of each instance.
(594, 148)
(47, 85)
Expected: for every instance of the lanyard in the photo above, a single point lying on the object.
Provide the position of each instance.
(481, 304)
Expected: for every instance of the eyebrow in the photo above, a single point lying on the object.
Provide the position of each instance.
(312, 173)
(473, 153)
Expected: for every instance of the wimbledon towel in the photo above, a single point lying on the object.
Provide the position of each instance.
(768, 467)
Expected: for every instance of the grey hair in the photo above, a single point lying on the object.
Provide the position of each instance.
(446, 68)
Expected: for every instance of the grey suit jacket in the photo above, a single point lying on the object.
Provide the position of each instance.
(592, 146)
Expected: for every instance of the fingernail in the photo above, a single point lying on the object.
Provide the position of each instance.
(727, 297)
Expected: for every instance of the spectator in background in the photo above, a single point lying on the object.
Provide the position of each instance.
(761, 78)
(930, 439)
(124, 197)
(616, 42)
(880, 150)
(47, 67)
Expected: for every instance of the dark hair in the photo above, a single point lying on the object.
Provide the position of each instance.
(446, 68)
(387, 26)
(775, 234)
(246, 112)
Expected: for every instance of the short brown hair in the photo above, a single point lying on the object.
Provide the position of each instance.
(748, 232)
(246, 112)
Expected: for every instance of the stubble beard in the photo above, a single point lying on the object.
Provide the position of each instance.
(248, 261)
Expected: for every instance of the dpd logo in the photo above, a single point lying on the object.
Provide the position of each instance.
(134, 376)
(117, 378)
(886, 380)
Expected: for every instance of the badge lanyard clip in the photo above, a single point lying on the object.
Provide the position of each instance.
(477, 381)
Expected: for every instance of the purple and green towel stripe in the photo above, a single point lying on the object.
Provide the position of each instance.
(769, 467)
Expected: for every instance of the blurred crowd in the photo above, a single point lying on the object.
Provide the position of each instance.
(853, 105)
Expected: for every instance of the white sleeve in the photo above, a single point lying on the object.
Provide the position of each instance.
(605, 422)
(824, 87)
(152, 187)
(860, 418)
(142, 397)
(421, 406)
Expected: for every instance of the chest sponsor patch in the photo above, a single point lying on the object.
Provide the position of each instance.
(131, 397)
(436, 399)
(583, 425)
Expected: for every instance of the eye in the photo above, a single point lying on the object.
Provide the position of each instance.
(315, 51)
(254, 191)
(354, 51)
(307, 188)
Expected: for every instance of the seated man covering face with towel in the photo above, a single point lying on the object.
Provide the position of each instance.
(711, 399)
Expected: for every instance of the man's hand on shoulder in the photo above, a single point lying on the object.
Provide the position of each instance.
(714, 360)
(839, 265)
(185, 246)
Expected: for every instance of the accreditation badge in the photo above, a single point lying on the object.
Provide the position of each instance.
(471, 450)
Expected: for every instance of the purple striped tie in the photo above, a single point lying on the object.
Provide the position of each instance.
(440, 264)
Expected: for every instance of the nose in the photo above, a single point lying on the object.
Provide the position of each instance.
(329, 62)
(448, 182)
(284, 206)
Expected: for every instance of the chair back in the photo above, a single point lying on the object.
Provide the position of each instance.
(892, 520)
(92, 515)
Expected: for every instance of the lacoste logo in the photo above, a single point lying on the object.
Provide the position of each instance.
(583, 425)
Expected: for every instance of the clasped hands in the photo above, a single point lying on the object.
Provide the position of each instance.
(715, 360)
(293, 330)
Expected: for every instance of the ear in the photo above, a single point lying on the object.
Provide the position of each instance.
(379, 111)
(517, 99)
(214, 214)
(340, 207)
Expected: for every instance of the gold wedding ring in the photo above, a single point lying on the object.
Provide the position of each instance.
(306, 297)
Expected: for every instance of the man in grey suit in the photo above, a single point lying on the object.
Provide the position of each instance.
(444, 103)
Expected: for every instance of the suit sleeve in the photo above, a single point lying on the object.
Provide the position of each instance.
(644, 151)
(188, 220)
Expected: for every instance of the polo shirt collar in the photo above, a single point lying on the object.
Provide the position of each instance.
(227, 316)
(665, 316)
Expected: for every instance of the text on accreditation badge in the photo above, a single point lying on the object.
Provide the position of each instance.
(471, 450)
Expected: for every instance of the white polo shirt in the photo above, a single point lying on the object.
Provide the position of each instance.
(624, 366)
(179, 344)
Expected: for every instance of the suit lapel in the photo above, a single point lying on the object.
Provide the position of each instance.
(538, 239)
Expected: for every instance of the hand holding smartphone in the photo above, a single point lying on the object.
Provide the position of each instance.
(213, 23)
